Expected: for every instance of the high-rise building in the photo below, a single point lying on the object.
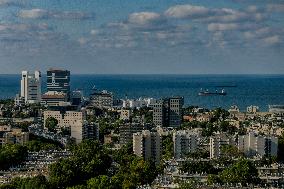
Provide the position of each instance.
(148, 145)
(31, 87)
(59, 81)
(253, 145)
(185, 141)
(168, 112)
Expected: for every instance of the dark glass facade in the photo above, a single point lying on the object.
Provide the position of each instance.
(58, 80)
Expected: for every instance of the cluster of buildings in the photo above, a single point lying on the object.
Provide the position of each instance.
(57, 85)
(9, 135)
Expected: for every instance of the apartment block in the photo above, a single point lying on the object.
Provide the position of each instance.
(168, 112)
(127, 130)
(16, 136)
(148, 145)
(217, 142)
(76, 120)
(253, 145)
(185, 141)
(101, 99)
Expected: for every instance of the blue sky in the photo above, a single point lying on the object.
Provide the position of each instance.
(143, 36)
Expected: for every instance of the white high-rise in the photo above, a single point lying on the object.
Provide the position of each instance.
(185, 141)
(253, 145)
(31, 87)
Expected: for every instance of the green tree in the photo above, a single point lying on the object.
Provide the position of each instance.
(243, 171)
(51, 124)
(168, 147)
(100, 182)
(12, 155)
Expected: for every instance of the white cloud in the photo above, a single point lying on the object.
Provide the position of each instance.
(272, 40)
(222, 26)
(33, 13)
(94, 32)
(42, 13)
(186, 11)
(144, 18)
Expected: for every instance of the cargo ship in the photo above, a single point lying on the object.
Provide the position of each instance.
(207, 93)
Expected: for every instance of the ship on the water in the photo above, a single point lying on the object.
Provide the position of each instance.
(207, 93)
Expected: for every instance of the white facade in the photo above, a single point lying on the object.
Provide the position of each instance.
(252, 109)
(148, 145)
(279, 109)
(216, 143)
(253, 145)
(138, 103)
(184, 142)
(31, 87)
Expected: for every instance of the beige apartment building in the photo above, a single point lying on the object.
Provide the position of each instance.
(148, 145)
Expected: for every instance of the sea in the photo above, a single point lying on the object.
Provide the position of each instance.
(242, 90)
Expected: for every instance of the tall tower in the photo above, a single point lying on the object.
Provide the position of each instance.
(59, 81)
(31, 87)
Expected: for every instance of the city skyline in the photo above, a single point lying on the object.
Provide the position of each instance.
(145, 37)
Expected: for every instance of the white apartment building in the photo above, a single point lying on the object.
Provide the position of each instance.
(216, 142)
(76, 120)
(31, 87)
(138, 103)
(253, 145)
(185, 141)
(148, 145)
(252, 109)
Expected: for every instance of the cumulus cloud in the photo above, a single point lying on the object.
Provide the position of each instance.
(222, 26)
(42, 14)
(187, 11)
(214, 14)
(33, 13)
(144, 18)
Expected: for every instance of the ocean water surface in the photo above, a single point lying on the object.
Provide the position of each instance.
(242, 90)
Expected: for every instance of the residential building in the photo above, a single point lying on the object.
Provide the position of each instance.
(185, 141)
(148, 145)
(4, 129)
(91, 131)
(253, 145)
(138, 103)
(217, 142)
(75, 120)
(278, 109)
(101, 99)
(127, 130)
(31, 87)
(234, 109)
(59, 81)
(53, 98)
(125, 114)
(252, 109)
(16, 136)
(168, 112)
